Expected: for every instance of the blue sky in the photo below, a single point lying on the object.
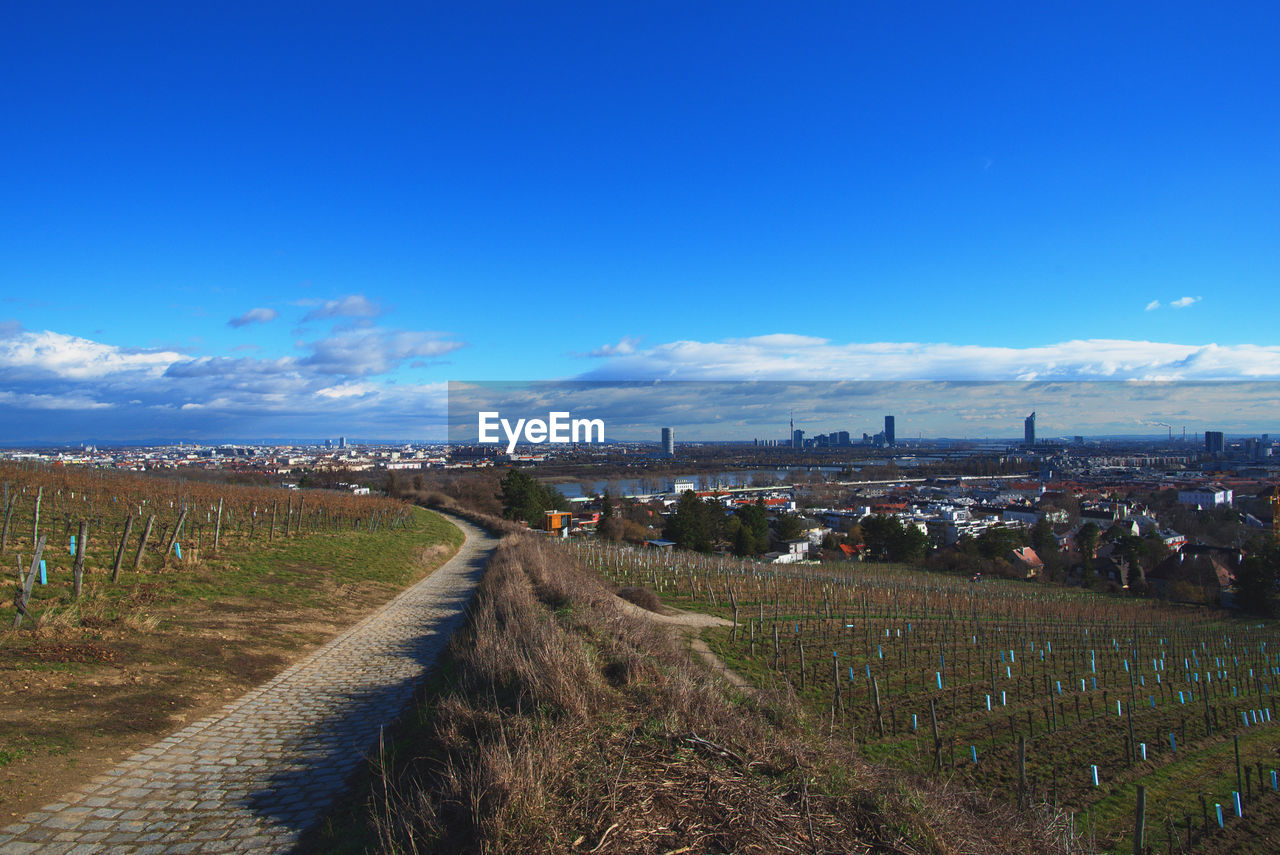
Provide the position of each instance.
(225, 220)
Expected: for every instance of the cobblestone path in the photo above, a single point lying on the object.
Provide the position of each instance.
(254, 775)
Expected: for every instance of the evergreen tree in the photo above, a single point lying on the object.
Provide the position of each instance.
(1256, 579)
(523, 498)
(754, 525)
(1042, 540)
(789, 527)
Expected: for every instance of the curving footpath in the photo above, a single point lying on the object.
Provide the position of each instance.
(256, 774)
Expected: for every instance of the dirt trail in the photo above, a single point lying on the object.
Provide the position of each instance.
(691, 625)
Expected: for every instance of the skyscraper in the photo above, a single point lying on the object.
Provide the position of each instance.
(888, 430)
(668, 442)
(1029, 431)
(342, 442)
(1214, 442)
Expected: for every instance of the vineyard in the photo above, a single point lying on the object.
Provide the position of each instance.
(1040, 695)
(139, 601)
(64, 526)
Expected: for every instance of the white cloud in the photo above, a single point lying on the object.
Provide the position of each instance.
(105, 391)
(626, 346)
(48, 352)
(19, 400)
(374, 351)
(351, 306)
(1183, 302)
(787, 357)
(1153, 305)
(347, 390)
(254, 316)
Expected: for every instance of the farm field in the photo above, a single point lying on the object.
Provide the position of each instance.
(940, 675)
(177, 611)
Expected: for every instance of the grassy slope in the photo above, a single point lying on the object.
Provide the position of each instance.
(560, 724)
(129, 662)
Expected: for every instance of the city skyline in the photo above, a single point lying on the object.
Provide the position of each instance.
(265, 223)
(772, 410)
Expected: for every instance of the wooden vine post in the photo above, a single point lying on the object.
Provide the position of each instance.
(77, 569)
(142, 541)
(35, 520)
(124, 541)
(173, 536)
(217, 528)
(9, 500)
(24, 585)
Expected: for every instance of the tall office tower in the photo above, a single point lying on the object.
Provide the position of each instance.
(342, 442)
(888, 430)
(668, 442)
(797, 439)
(1029, 431)
(1214, 443)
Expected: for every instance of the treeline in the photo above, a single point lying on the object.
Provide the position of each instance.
(704, 524)
(526, 499)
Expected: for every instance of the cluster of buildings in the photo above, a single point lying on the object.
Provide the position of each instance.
(264, 459)
(948, 510)
(886, 438)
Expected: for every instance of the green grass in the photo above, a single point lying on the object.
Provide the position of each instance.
(294, 570)
(1175, 788)
(299, 570)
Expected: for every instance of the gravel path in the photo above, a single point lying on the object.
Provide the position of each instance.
(253, 776)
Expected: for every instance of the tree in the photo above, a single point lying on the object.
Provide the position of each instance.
(998, 542)
(888, 538)
(909, 544)
(751, 534)
(1087, 542)
(877, 532)
(1256, 579)
(1133, 549)
(695, 524)
(611, 524)
(1042, 540)
(789, 527)
(524, 498)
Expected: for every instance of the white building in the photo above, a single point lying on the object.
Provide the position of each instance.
(796, 550)
(1206, 497)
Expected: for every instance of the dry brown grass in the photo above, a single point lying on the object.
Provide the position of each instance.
(642, 597)
(571, 726)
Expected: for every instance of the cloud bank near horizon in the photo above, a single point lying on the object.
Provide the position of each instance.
(354, 381)
(764, 409)
(798, 357)
(59, 388)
